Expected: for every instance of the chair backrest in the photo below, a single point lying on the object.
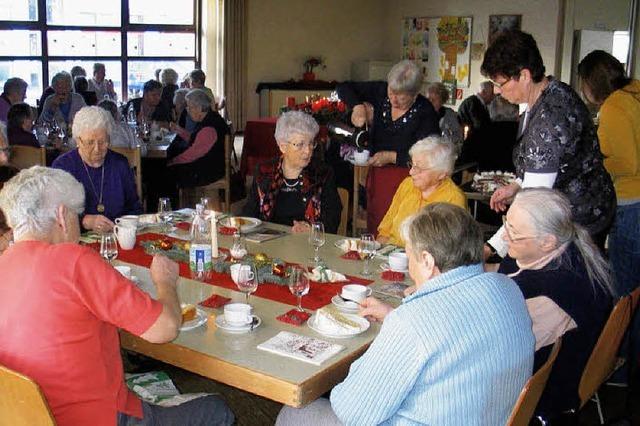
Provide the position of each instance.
(382, 183)
(228, 148)
(532, 391)
(23, 157)
(635, 297)
(344, 216)
(21, 401)
(135, 162)
(603, 358)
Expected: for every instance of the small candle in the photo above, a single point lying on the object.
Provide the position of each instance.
(466, 132)
(214, 236)
(291, 102)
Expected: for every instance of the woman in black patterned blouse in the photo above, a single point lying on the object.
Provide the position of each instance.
(558, 146)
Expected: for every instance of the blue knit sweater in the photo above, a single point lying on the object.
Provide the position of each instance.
(456, 352)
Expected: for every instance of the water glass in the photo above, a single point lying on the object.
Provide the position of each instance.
(247, 279)
(108, 247)
(316, 240)
(366, 250)
(298, 284)
(165, 213)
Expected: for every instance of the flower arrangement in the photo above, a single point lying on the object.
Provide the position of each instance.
(324, 110)
(312, 62)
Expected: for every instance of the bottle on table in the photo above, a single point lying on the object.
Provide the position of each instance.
(200, 249)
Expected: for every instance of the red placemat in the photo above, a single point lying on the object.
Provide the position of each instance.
(294, 317)
(227, 230)
(319, 294)
(215, 301)
(351, 255)
(393, 276)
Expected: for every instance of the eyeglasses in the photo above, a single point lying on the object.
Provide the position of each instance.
(501, 85)
(94, 143)
(508, 233)
(303, 145)
(412, 165)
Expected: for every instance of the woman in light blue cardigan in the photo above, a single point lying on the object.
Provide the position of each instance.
(456, 352)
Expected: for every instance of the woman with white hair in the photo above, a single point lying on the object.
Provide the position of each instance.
(566, 284)
(6, 173)
(169, 80)
(109, 184)
(197, 158)
(397, 114)
(180, 105)
(429, 181)
(291, 189)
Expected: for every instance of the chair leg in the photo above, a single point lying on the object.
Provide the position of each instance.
(596, 399)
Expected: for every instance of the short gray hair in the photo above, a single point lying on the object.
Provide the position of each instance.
(486, 86)
(29, 200)
(168, 76)
(442, 152)
(405, 76)
(14, 85)
(440, 90)
(92, 118)
(199, 98)
(295, 122)
(62, 77)
(447, 232)
(550, 213)
(179, 95)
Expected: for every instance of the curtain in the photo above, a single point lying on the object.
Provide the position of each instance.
(235, 61)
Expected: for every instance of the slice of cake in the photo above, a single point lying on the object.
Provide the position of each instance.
(330, 320)
(188, 313)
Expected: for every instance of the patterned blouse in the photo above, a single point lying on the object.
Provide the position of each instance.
(560, 137)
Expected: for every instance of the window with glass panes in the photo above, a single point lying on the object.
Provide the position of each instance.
(132, 38)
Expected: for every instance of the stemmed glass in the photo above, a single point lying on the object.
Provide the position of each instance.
(298, 284)
(247, 279)
(316, 239)
(108, 246)
(165, 213)
(366, 250)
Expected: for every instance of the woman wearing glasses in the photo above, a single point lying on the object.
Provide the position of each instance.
(566, 284)
(291, 189)
(109, 184)
(558, 146)
(429, 181)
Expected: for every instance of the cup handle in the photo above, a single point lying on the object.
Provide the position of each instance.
(115, 230)
(369, 291)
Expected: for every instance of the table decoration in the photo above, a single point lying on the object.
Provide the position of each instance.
(294, 317)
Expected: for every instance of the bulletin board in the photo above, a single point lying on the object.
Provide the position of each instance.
(440, 46)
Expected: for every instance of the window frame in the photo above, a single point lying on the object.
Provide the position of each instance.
(125, 28)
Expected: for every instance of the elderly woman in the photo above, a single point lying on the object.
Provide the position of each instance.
(605, 84)
(108, 181)
(179, 103)
(185, 123)
(169, 80)
(149, 107)
(398, 115)
(462, 329)
(566, 284)
(122, 135)
(292, 189)
(438, 95)
(19, 126)
(429, 181)
(197, 158)
(101, 85)
(558, 147)
(6, 173)
(15, 91)
(63, 104)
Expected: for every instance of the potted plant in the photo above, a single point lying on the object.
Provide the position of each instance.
(309, 64)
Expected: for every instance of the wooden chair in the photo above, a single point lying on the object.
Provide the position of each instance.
(344, 216)
(22, 402)
(532, 391)
(187, 195)
(23, 157)
(604, 357)
(359, 178)
(134, 157)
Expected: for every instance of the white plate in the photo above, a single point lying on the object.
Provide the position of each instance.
(340, 242)
(251, 223)
(224, 325)
(201, 318)
(346, 307)
(385, 267)
(364, 326)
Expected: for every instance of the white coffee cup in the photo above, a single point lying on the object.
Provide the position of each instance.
(398, 261)
(124, 270)
(126, 236)
(235, 271)
(128, 220)
(361, 157)
(237, 314)
(355, 292)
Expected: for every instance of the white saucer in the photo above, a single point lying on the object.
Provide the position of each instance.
(201, 318)
(224, 325)
(346, 307)
(385, 267)
(364, 326)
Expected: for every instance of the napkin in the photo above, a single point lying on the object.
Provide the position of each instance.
(215, 301)
(227, 230)
(393, 276)
(185, 226)
(351, 255)
(294, 317)
(322, 274)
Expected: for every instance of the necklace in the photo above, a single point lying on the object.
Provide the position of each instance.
(292, 185)
(100, 206)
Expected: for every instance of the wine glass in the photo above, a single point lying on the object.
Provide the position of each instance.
(298, 284)
(316, 239)
(366, 250)
(238, 248)
(247, 279)
(165, 213)
(108, 246)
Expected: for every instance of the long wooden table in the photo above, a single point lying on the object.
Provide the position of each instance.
(233, 359)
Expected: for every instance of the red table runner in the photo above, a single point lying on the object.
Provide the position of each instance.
(319, 295)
